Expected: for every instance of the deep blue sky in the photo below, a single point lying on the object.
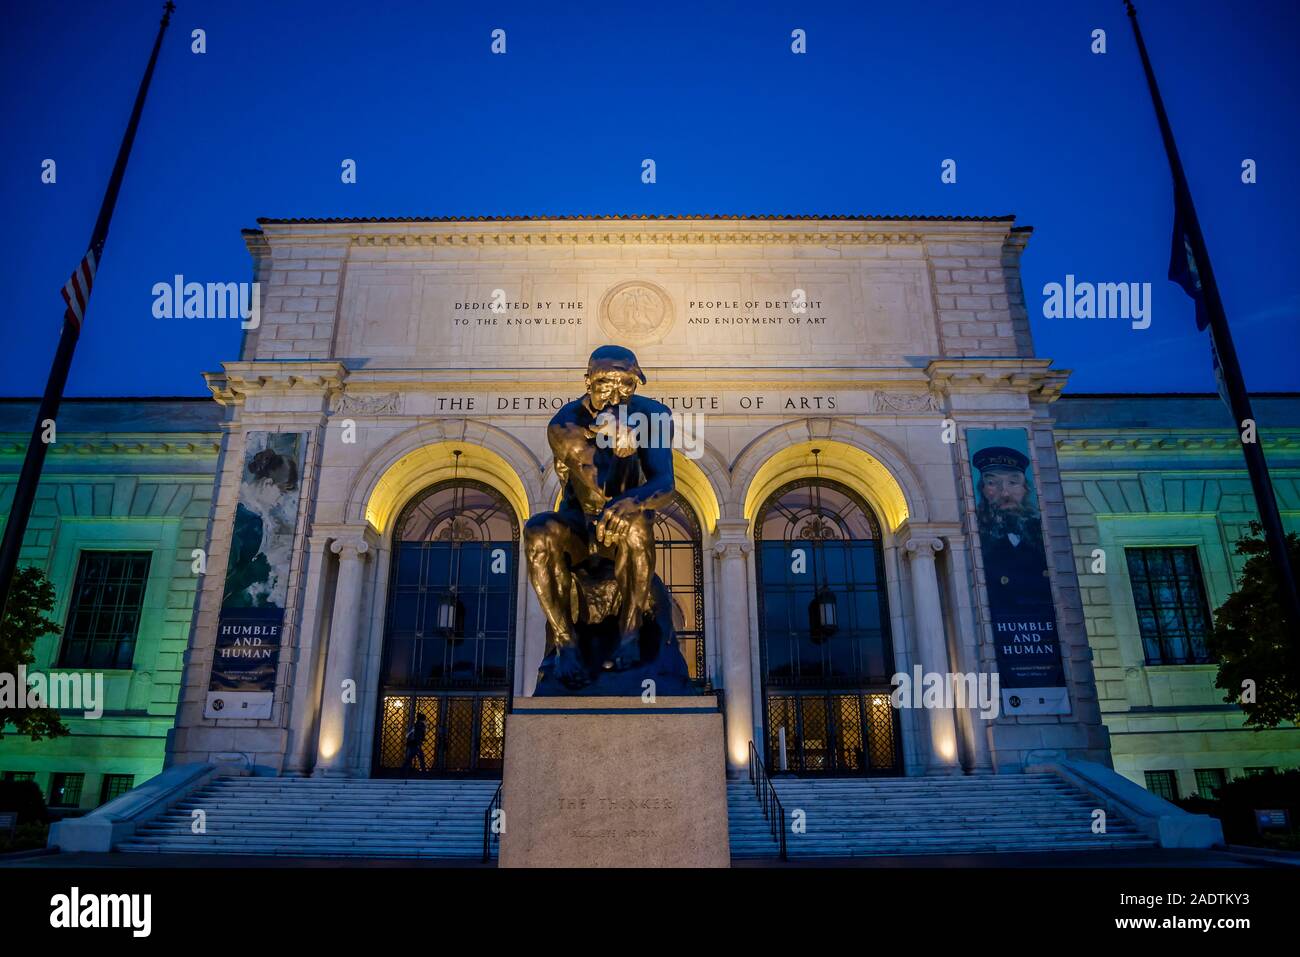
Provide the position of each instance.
(258, 126)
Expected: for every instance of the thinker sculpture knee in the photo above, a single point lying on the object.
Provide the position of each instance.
(591, 561)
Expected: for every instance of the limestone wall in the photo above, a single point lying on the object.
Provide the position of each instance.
(1153, 471)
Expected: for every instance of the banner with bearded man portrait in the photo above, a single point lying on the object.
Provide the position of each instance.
(1019, 586)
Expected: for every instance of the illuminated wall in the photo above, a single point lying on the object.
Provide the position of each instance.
(1136, 471)
(125, 474)
(1144, 471)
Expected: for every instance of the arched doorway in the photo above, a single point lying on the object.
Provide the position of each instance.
(445, 674)
(827, 655)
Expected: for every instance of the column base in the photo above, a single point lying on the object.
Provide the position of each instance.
(943, 771)
(332, 773)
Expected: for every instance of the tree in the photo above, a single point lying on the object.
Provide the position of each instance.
(1252, 643)
(31, 598)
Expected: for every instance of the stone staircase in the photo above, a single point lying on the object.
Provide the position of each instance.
(863, 817)
(311, 817)
(443, 819)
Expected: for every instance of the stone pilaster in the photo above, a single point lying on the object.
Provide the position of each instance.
(732, 550)
(305, 692)
(337, 717)
(931, 649)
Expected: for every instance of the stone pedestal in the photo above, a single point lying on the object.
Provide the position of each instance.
(615, 782)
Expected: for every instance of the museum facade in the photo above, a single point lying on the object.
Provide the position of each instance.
(874, 475)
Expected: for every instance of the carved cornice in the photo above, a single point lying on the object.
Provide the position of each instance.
(200, 444)
(634, 236)
(1033, 377)
(240, 379)
(1078, 442)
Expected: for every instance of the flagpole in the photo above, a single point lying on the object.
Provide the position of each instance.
(29, 477)
(1221, 338)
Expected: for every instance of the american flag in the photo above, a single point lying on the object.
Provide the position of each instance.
(1184, 270)
(77, 291)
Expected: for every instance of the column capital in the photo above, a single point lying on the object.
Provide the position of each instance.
(358, 539)
(927, 537)
(733, 547)
(318, 543)
(923, 546)
(351, 547)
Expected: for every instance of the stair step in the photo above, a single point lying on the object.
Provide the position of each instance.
(862, 817)
(313, 818)
(845, 817)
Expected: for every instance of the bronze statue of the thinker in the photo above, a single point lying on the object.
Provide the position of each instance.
(609, 618)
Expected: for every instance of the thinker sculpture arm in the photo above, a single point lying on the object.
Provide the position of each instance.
(655, 492)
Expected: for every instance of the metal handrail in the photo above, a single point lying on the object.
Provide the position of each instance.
(765, 791)
(488, 836)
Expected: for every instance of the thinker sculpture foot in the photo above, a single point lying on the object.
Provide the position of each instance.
(627, 654)
(569, 669)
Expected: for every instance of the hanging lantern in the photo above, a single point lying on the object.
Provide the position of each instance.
(446, 619)
(827, 611)
(450, 613)
(823, 610)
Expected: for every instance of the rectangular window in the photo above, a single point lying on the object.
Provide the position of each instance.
(20, 776)
(104, 613)
(65, 790)
(1163, 784)
(1256, 772)
(1169, 597)
(1208, 780)
(115, 785)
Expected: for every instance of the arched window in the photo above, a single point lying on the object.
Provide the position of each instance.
(679, 563)
(827, 656)
(449, 632)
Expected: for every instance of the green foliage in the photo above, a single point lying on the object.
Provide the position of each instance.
(24, 799)
(26, 837)
(1237, 801)
(26, 618)
(1251, 642)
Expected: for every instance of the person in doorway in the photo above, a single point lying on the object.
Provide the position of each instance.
(415, 743)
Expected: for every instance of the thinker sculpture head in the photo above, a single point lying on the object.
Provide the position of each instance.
(613, 375)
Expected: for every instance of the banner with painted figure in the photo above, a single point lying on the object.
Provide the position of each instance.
(1025, 636)
(247, 652)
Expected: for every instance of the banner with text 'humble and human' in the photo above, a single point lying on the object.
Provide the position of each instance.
(247, 652)
(1025, 634)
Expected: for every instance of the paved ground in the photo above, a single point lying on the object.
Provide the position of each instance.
(1140, 858)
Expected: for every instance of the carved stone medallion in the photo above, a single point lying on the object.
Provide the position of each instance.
(636, 311)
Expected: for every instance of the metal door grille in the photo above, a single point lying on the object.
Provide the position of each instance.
(465, 735)
(825, 733)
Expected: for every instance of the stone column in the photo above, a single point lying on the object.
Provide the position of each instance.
(733, 626)
(932, 650)
(304, 696)
(336, 717)
(968, 633)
